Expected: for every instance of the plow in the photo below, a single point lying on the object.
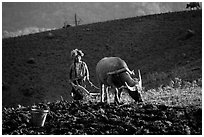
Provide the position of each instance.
(84, 91)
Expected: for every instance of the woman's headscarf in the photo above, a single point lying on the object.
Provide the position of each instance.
(76, 52)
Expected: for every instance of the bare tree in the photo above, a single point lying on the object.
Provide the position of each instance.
(76, 20)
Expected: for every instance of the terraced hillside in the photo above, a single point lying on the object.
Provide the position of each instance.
(164, 46)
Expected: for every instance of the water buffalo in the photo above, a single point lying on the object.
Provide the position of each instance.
(193, 5)
(113, 72)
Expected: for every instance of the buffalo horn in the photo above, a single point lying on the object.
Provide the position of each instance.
(138, 86)
(140, 81)
(130, 88)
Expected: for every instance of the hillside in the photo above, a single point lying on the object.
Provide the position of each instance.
(35, 67)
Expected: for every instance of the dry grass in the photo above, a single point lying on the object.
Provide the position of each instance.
(179, 93)
(175, 96)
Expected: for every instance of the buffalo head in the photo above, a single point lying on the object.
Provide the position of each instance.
(133, 86)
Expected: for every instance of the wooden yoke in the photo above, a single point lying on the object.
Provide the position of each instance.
(120, 71)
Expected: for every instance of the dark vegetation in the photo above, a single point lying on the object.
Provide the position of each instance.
(167, 48)
(92, 118)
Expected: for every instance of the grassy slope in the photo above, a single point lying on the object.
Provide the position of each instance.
(151, 43)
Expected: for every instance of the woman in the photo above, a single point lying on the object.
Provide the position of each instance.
(78, 72)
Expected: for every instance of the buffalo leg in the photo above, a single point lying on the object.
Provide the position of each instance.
(119, 93)
(102, 92)
(107, 95)
(117, 96)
